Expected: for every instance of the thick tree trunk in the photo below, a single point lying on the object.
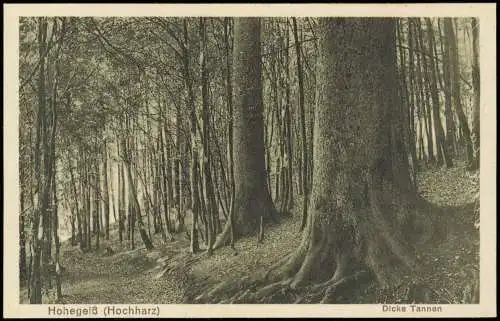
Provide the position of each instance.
(361, 200)
(252, 198)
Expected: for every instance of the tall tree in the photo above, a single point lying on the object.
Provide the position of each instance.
(134, 200)
(305, 161)
(362, 201)
(105, 189)
(208, 190)
(447, 80)
(252, 198)
(37, 226)
(476, 84)
(425, 91)
(229, 99)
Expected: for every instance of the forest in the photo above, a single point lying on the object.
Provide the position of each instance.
(249, 160)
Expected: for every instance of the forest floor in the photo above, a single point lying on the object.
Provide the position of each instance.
(170, 274)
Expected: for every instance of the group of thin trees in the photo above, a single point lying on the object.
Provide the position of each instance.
(212, 127)
(439, 61)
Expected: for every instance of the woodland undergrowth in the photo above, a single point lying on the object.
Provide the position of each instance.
(449, 270)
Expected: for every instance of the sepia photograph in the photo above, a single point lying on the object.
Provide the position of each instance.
(249, 160)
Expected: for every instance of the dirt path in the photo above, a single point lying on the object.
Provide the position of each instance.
(128, 276)
(170, 274)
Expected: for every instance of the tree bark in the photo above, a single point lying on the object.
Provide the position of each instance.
(37, 231)
(208, 191)
(194, 174)
(447, 76)
(55, 224)
(457, 99)
(360, 167)
(409, 140)
(229, 98)
(97, 218)
(106, 190)
(426, 89)
(412, 100)
(438, 127)
(305, 161)
(136, 206)
(252, 198)
(22, 239)
(476, 84)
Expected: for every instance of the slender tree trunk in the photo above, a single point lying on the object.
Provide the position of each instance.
(303, 125)
(81, 239)
(455, 86)
(55, 225)
(426, 90)
(288, 124)
(405, 97)
(193, 142)
(359, 173)
(165, 165)
(123, 203)
(447, 78)
(22, 234)
(106, 191)
(411, 111)
(37, 231)
(135, 205)
(209, 196)
(434, 92)
(97, 202)
(229, 98)
(420, 98)
(476, 84)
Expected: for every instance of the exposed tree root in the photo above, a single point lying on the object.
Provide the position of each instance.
(341, 285)
(271, 288)
(243, 216)
(286, 267)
